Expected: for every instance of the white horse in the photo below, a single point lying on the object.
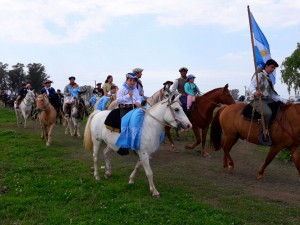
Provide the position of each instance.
(25, 107)
(167, 111)
(155, 98)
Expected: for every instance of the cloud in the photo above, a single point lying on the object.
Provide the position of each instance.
(69, 21)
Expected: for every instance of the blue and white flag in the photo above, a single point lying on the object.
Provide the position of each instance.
(261, 47)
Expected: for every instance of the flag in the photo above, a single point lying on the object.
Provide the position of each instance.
(261, 47)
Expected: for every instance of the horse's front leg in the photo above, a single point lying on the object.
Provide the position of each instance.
(134, 172)
(144, 159)
(204, 153)
(96, 146)
(196, 131)
(296, 158)
(107, 151)
(49, 139)
(272, 153)
(78, 128)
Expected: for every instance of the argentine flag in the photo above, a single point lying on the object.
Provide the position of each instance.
(261, 47)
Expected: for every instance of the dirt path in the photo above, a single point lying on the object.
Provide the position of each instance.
(280, 183)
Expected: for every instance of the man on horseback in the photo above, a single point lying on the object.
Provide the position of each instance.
(138, 73)
(98, 90)
(70, 93)
(178, 87)
(265, 90)
(22, 93)
(51, 93)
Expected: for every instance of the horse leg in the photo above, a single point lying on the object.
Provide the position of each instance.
(272, 153)
(167, 131)
(133, 174)
(144, 159)
(296, 158)
(107, 151)
(78, 127)
(49, 139)
(227, 144)
(96, 148)
(196, 131)
(204, 153)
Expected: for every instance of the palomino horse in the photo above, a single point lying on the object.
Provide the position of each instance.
(25, 107)
(202, 114)
(284, 132)
(167, 111)
(47, 117)
(74, 119)
(155, 98)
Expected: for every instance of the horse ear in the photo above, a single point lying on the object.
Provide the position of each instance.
(175, 97)
(226, 86)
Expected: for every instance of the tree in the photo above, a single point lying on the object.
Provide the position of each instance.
(290, 70)
(234, 93)
(16, 76)
(3, 75)
(36, 76)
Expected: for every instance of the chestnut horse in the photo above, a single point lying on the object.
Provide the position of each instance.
(202, 115)
(284, 132)
(47, 117)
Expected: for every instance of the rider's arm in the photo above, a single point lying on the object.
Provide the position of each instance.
(253, 85)
(174, 86)
(123, 97)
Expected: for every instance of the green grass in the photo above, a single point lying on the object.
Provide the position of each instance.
(55, 185)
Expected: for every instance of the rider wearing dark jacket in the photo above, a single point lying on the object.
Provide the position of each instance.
(22, 93)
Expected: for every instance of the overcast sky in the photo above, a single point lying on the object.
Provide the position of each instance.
(90, 39)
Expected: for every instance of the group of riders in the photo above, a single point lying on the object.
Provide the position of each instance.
(131, 94)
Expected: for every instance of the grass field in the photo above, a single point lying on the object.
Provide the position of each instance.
(55, 185)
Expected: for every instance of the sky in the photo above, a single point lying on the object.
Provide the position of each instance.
(90, 39)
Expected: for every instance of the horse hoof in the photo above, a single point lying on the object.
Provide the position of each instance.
(174, 150)
(131, 181)
(107, 175)
(206, 155)
(48, 144)
(97, 177)
(157, 195)
(260, 177)
(189, 147)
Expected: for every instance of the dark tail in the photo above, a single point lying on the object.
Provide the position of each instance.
(216, 131)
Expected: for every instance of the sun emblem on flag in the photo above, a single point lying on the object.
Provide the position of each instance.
(264, 52)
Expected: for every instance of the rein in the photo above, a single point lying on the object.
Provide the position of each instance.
(202, 95)
(45, 106)
(172, 112)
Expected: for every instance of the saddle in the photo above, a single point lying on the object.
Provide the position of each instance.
(247, 112)
(113, 121)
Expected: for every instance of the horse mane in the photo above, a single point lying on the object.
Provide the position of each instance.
(198, 98)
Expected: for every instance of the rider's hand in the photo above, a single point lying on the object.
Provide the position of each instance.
(257, 93)
(130, 93)
(138, 105)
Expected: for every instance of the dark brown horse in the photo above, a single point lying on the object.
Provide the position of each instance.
(202, 114)
(284, 132)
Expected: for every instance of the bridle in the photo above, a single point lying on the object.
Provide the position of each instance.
(172, 112)
(46, 106)
(29, 99)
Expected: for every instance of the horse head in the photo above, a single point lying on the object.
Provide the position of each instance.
(42, 102)
(30, 97)
(174, 114)
(226, 97)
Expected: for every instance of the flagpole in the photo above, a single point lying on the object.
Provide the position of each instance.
(256, 75)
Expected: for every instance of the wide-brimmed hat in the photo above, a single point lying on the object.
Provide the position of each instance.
(168, 82)
(72, 77)
(190, 76)
(137, 70)
(48, 81)
(183, 69)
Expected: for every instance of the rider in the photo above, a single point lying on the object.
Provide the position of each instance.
(70, 92)
(107, 84)
(22, 93)
(98, 90)
(265, 90)
(51, 93)
(191, 89)
(167, 85)
(139, 72)
(178, 86)
(128, 95)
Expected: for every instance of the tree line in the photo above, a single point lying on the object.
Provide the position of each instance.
(13, 78)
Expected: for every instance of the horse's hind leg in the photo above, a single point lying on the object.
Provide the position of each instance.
(227, 144)
(272, 153)
(96, 148)
(134, 172)
(144, 159)
(167, 131)
(107, 151)
(296, 158)
(49, 135)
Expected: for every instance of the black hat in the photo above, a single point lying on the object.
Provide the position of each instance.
(183, 69)
(48, 81)
(98, 84)
(72, 77)
(23, 84)
(168, 82)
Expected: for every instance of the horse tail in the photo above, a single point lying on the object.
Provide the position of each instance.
(87, 141)
(216, 130)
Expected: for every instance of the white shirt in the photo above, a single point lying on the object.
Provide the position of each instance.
(253, 85)
(124, 98)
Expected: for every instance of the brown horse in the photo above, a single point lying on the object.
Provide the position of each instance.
(284, 132)
(202, 115)
(47, 117)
